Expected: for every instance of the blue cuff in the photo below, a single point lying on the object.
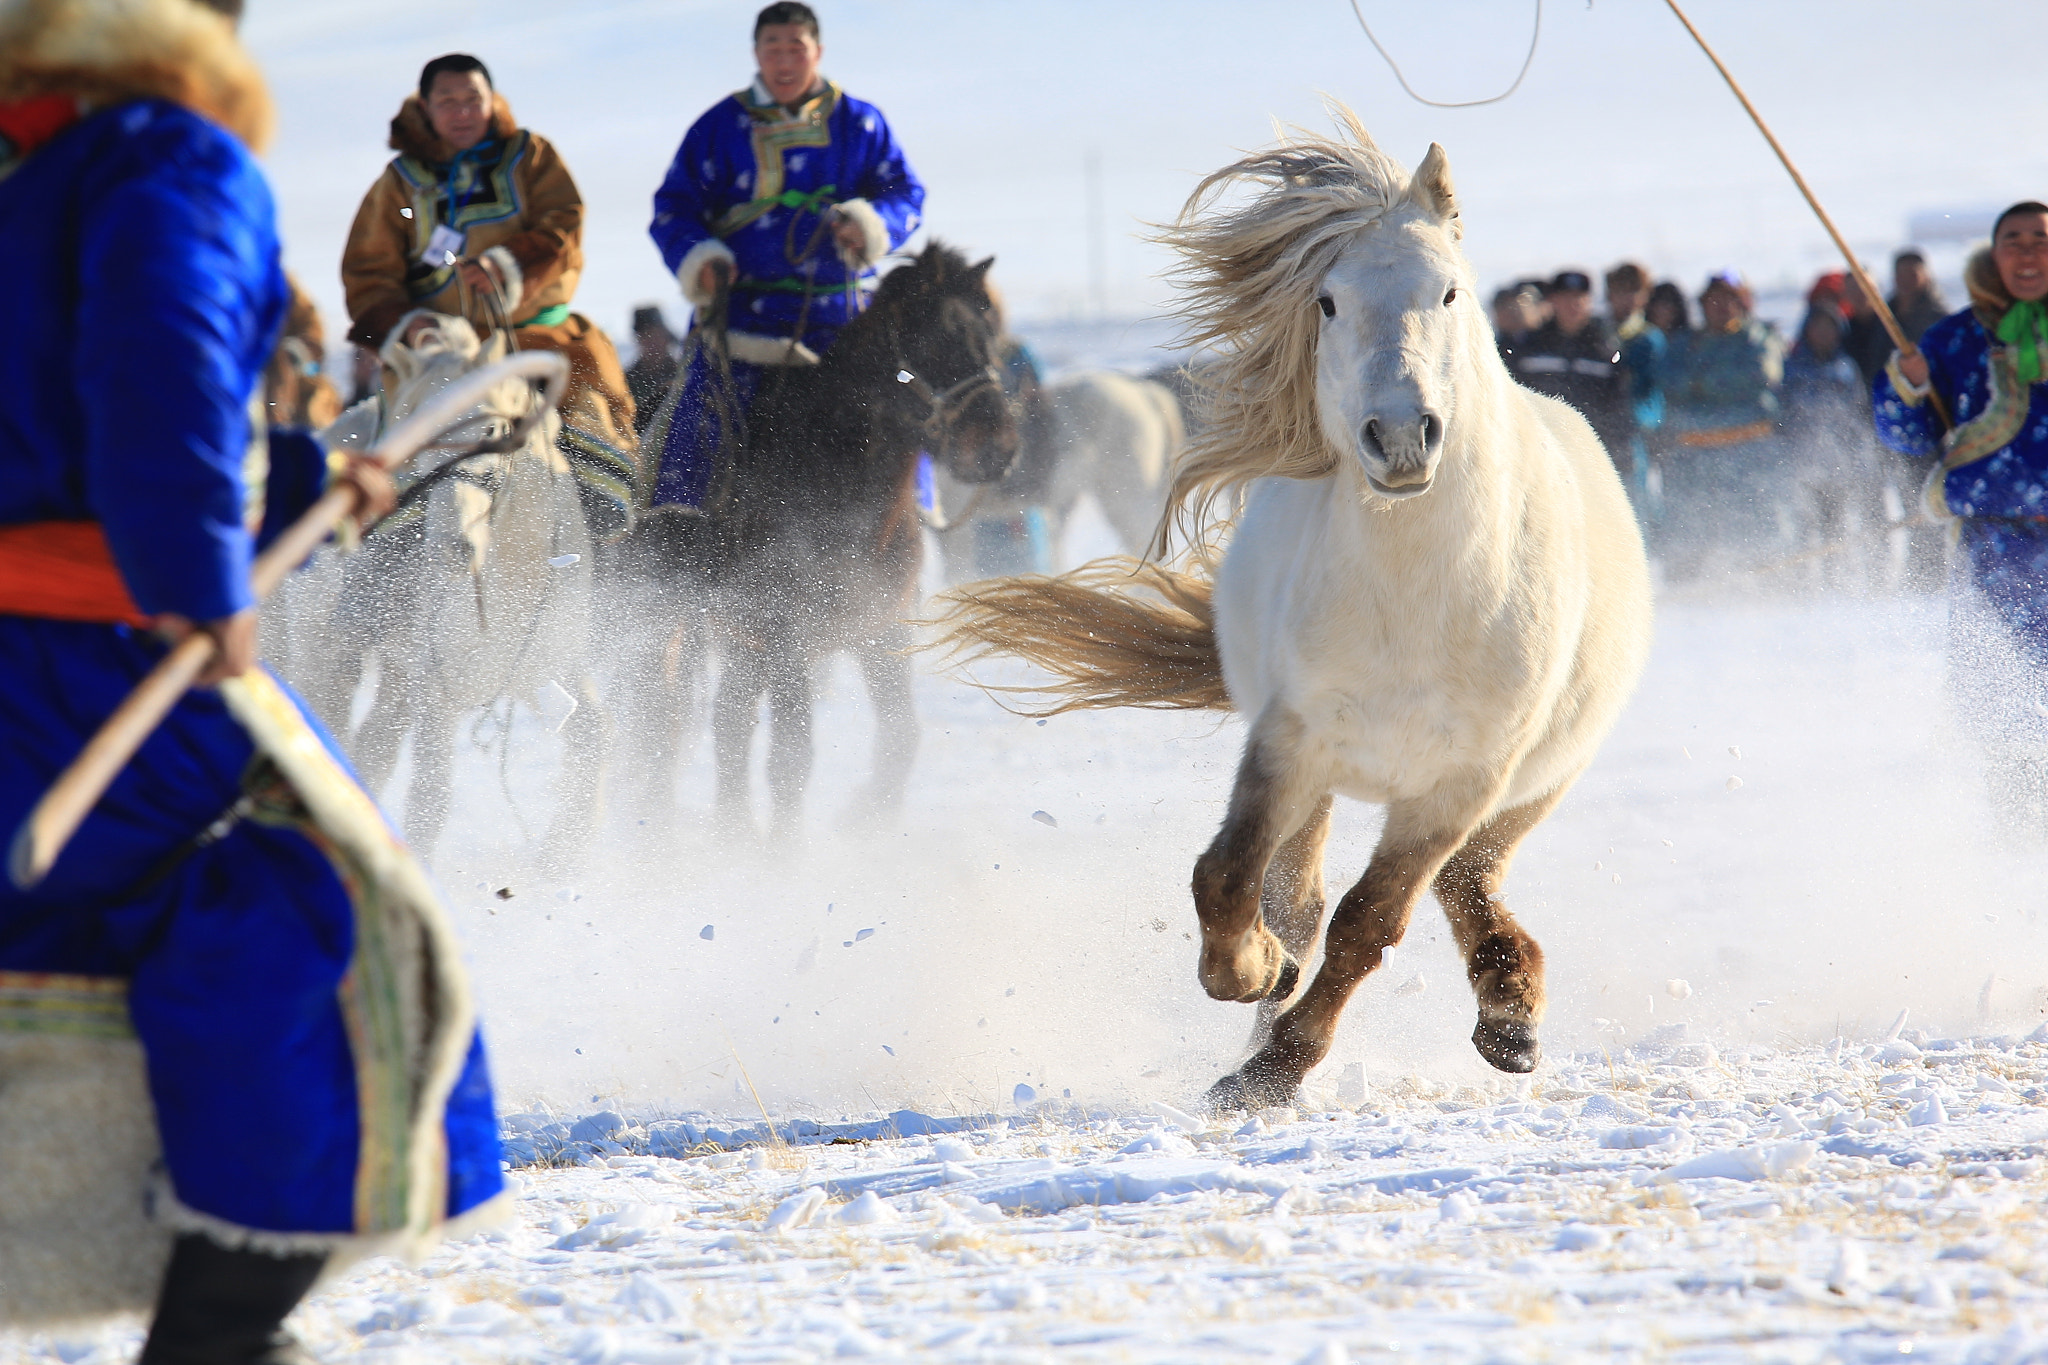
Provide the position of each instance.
(298, 476)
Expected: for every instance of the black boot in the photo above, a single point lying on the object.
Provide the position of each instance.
(222, 1307)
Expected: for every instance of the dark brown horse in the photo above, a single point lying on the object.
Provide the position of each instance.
(810, 543)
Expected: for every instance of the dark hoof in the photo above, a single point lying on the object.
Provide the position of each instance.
(1290, 977)
(1244, 1090)
(1508, 1047)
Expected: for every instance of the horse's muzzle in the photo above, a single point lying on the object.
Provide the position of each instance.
(1400, 458)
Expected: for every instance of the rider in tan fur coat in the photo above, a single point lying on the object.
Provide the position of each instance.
(479, 217)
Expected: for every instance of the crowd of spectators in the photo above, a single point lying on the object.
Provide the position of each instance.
(1738, 448)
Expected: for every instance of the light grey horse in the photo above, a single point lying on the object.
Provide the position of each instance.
(1110, 436)
(474, 597)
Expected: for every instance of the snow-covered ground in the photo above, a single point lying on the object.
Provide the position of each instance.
(1736, 1150)
(1664, 1201)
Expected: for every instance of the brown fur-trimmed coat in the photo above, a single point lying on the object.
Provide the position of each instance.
(537, 246)
(540, 235)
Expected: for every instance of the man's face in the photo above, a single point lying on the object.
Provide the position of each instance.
(788, 56)
(459, 108)
(1624, 303)
(1909, 277)
(1572, 308)
(2021, 255)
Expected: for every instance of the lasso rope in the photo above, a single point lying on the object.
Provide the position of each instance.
(1535, 33)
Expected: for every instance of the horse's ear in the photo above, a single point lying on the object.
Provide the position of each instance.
(1431, 187)
(981, 267)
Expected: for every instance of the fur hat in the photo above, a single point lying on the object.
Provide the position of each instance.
(1989, 298)
(413, 135)
(107, 51)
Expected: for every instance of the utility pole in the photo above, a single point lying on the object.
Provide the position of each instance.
(1098, 262)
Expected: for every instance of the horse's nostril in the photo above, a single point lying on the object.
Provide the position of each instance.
(1372, 436)
(1432, 430)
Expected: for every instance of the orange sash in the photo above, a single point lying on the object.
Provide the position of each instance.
(1717, 437)
(63, 571)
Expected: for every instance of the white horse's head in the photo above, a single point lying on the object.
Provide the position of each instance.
(1396, 308)
(1340, 308)
(439, 355)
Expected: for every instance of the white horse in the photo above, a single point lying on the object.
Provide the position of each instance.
(474, 596)
(1435, 597)
(1108, 435)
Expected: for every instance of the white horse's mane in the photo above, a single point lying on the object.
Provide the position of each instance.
(1249, 275)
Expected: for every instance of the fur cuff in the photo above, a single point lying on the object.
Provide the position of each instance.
(513, 278)
(874, 232)
(1914, 394)
(392, 337)
(755, 349)
(694, 261)
(342, 1249)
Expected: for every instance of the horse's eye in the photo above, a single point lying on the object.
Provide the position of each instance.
(1450, 296)
(1328, 305)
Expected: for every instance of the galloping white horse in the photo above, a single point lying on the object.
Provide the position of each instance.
(1111, 435)
(1435, 597)
(477, 592)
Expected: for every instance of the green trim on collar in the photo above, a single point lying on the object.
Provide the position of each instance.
(546, 317)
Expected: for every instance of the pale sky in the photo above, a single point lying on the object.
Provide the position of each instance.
(1621, 142)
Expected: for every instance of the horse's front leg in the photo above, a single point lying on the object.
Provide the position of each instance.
(735, 711)
(1419, 837)
(1504, 964)
(1276, 789)
(790, 753)
(1291, 901)
(431, 793)
(579, 797)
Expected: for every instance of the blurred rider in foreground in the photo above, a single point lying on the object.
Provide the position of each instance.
(236, 1048)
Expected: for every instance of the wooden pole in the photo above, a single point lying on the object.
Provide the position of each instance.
(1863, 280)
(78, 788)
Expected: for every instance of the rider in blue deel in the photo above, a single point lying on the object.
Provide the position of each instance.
(797, 189)
(1987, 366)
(236, 1047)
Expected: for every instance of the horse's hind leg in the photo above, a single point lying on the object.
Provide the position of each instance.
(1371, 918)
(1503, 962)
(1272, 798)
(1291, 902)
(886, 669)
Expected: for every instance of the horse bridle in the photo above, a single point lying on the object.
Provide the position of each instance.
(943, 405)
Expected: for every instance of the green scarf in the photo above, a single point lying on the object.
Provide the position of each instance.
(2025, 325)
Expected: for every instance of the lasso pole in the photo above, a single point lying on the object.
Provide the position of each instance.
(1863, 280)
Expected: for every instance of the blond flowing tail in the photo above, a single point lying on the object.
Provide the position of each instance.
(1106, 642)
